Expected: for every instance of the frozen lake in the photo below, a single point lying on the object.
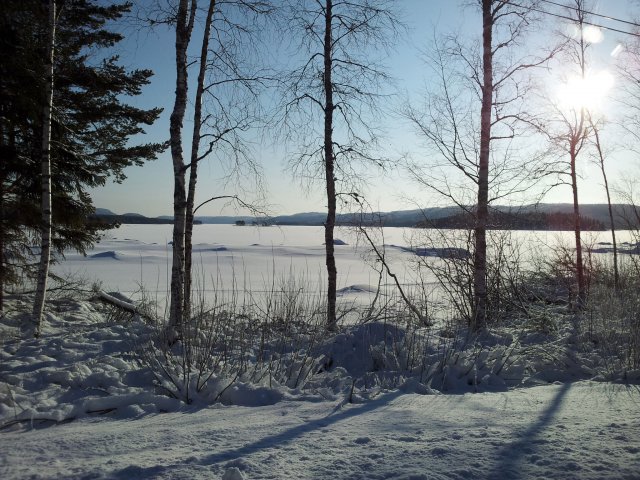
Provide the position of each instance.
(259, 259)
(228, 258)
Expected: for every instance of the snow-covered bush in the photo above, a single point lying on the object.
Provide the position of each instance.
(506, 274)
(264, 341)
(245, 348)
(606, 332)
(611, 322)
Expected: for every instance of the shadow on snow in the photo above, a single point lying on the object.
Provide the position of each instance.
(510, 458)
(282, 438)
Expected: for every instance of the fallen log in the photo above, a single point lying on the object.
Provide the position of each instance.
(118, 302)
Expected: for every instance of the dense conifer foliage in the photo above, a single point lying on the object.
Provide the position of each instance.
(92, 123)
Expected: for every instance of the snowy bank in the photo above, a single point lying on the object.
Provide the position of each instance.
(366, 403)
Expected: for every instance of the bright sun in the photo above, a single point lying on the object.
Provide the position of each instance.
(588, 92)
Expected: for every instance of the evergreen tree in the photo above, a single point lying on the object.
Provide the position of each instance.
(92, 123)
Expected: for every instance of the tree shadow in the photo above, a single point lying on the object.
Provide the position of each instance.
(510, 457)
(287, 436)
(276, 440)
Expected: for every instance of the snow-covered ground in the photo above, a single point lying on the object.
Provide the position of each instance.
(572, 431)
(372, 402)
(77, 404)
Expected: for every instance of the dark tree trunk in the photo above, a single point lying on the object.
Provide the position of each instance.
(330, 223)
(45, 227)
(482, 211)
(2, 234)
(3, 227)
(616, 273)
(579, 135)
(582, 291)
(193, 173)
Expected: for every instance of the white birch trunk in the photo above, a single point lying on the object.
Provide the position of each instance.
(195, 148)
(45, 243)
(184, 27)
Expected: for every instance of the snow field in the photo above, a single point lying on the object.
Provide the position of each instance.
(78, 403)
(271, 396)
(583, 430)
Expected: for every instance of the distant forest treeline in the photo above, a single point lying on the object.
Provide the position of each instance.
(517, 221)
(115, 220)
(530, 217)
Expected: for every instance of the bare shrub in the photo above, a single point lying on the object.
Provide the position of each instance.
(612, 318)
(609, 324)
(447, 255)
(237, 337)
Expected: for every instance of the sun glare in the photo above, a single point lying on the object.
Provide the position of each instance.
(588, 92)
(590, 33)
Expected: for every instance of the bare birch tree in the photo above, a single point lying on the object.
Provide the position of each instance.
(45, 228)
(226, 105)
(193, 165)
(600, 160)
(219, 115)
(576, 134)
(569, 126)
(474, 121)
(184, 22)
(331, 100)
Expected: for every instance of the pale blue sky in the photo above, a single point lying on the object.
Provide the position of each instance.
(149, 189)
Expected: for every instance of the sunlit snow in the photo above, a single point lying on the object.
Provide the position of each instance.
(78, 403)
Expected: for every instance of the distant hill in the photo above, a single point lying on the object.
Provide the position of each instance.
(104, 211)
(126, 219)
(518, 220)
(547, 216)
(625, 216)
(529, 217)
(107, 217)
